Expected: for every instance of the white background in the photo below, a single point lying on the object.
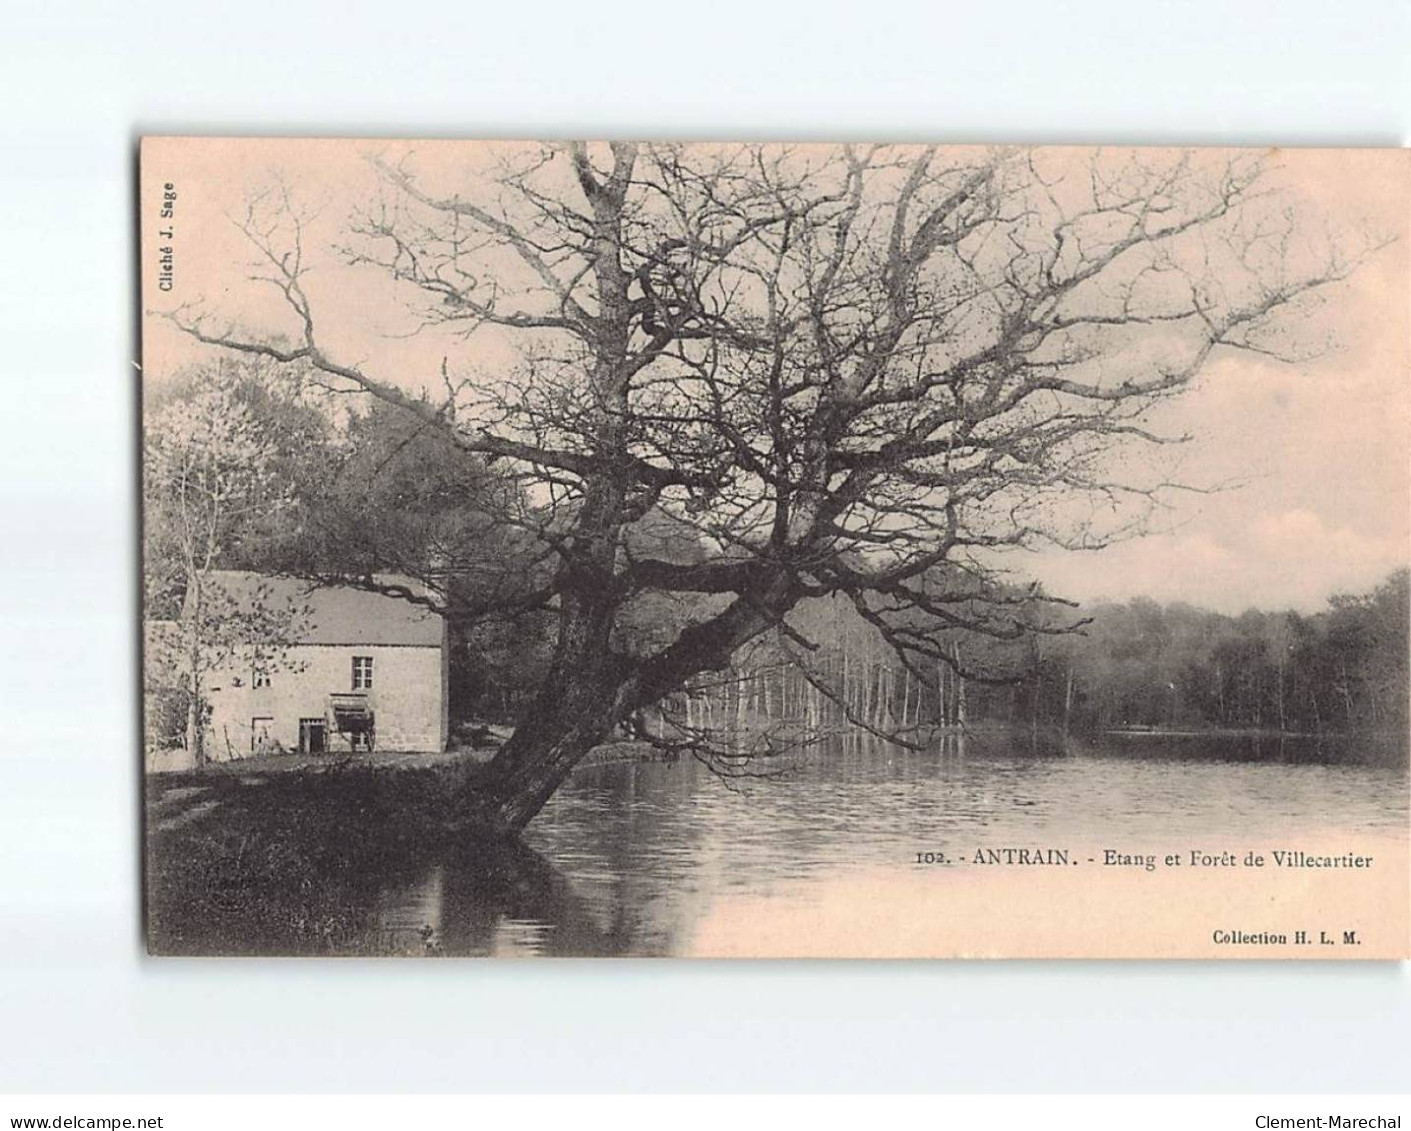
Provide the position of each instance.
(696, 1112)
(81, 1009)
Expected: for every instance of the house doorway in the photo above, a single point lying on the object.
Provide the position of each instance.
(261, 735)
(313, 736)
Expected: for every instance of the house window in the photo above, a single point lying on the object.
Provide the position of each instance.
(259, 677)
(362, 673)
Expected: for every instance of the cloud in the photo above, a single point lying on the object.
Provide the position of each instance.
(1289, 558)
(1313, 558)
(1290, 531)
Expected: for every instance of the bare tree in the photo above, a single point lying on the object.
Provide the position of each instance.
(848, 370)
(206, 470)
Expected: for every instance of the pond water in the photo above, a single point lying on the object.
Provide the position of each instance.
(650, 859)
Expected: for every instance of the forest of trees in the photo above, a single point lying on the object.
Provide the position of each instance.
(344, 492)
(365, 488)
(1139, 664)
(1142, 663)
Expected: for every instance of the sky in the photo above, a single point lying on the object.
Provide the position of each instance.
(1317, 452)
(1312, 457)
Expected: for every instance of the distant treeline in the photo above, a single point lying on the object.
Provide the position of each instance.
(1143, 663)
(1137, 664)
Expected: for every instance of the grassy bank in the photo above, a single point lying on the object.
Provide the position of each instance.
(274, 861)
(288, 854)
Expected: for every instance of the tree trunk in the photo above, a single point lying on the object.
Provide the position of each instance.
(1034, 694)
(960, 705)
(1068, 697)
(195, 739)
(542, 752)
(195, 730)
(590, 689)
(1345, 689)
(575, 709)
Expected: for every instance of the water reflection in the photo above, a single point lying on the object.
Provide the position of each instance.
(645, 849)
(631, 859)
(515, 903)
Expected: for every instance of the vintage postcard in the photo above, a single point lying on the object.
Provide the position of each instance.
(765, 550)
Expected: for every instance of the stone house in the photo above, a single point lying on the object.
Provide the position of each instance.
(355, 670)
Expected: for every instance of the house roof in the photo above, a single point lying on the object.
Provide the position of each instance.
(336, 614)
